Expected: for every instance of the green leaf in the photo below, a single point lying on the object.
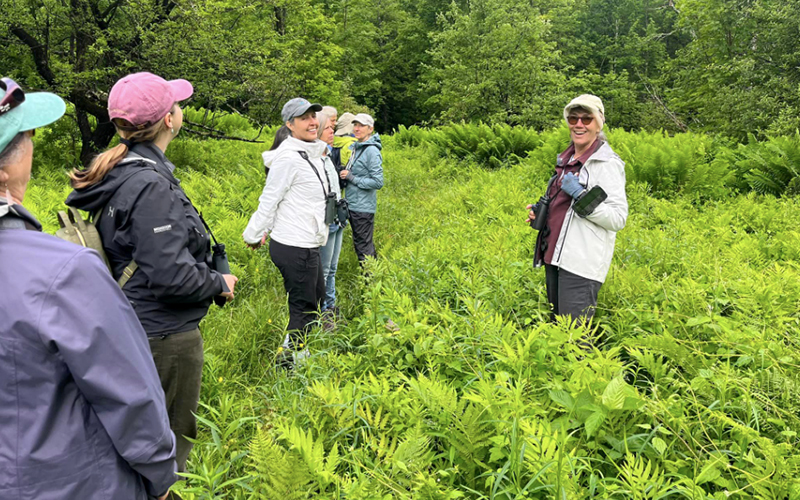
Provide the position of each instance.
(659, 445)
(614, 394)
(563, 398)
(698, 320)
(594, 422)
(709, 473)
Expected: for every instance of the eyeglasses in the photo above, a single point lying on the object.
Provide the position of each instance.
(14, 95)
(586, 120)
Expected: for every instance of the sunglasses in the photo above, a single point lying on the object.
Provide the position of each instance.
(14, 95)
(586, 120)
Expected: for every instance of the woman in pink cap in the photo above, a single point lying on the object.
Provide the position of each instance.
(156, 242)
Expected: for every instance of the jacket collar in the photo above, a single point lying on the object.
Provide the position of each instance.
(17, 217)
(151, 153)
(312, 149)
(374, 140)
(603, 153)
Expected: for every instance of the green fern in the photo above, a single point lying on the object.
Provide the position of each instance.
(282, 475)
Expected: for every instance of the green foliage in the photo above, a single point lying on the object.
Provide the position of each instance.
(492, 146)
(769, 167)
(673, 164)
(490, 61)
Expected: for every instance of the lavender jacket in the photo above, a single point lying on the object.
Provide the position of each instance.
(82, 412)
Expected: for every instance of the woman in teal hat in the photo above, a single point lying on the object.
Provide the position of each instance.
(82, 413)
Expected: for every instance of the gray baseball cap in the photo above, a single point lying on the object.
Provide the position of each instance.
(364, 119)
(298, 107)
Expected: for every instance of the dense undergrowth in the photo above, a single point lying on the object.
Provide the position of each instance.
(696, 165)
(693, 391)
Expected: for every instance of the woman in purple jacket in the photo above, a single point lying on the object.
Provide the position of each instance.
(82, 412)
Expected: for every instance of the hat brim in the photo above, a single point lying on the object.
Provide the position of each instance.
(40, 109)
(363, 123)
(181, 89)
(313, 107)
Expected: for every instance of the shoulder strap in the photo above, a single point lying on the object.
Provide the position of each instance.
(361, 150)
(304, 155)
(127, 273)
(132, 266)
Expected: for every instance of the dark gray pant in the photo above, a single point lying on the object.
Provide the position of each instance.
(363, 226)
(570, 294)
(301, 269)
(179, 362)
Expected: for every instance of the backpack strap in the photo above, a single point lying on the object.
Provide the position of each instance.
(132, 266)
(127, 273)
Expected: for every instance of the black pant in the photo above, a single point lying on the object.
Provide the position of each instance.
(570, 294)
(179, 361)
(301, 269)
(363, 226)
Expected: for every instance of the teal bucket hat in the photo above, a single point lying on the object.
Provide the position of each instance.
(32, 111)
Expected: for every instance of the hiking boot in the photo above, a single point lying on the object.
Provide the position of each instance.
(284, 360)
(328, 320)
(340, 319)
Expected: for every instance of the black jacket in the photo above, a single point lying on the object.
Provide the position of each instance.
(148, 218)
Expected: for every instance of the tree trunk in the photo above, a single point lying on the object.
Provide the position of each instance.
(93, 141)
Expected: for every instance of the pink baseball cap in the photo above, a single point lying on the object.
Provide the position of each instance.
(144, 98)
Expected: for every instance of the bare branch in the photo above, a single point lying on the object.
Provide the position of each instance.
(672, 116)
(39, 53)
(216, 135)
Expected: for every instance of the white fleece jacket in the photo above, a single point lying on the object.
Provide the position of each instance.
(291, 208)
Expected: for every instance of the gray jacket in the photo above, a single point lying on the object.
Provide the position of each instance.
(585, 245)
(82, 412)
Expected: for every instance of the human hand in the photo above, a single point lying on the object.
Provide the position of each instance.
(164, 496)
(531, 212)
(230, 282)
(255, 246)
(343, 174)
(570, 185)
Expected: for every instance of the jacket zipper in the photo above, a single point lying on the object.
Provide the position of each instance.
(571, 215)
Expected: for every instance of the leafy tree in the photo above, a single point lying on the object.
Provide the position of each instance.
(245, 56)
(739, 73)
(492, 61)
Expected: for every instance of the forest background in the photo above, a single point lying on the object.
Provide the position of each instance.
(728, 67)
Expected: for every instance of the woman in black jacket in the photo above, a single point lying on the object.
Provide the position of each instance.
(157, 244)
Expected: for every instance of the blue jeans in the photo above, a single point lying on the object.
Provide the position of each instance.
(330, 261)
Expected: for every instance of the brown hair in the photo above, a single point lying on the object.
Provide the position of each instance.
(108, 159)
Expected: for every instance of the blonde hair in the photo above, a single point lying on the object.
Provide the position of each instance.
(108, 159)
(323, 118)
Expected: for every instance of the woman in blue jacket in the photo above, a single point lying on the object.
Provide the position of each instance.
(82, 413)
(364, 176)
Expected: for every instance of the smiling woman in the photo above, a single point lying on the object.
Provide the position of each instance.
(589, 182)
(292, 209)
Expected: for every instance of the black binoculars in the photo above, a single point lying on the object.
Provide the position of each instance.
(540, 211)
(219, 262)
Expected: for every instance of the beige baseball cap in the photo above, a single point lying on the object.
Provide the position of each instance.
(590, 103)
(344, 126)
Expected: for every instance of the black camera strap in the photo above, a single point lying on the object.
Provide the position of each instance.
(304, 155)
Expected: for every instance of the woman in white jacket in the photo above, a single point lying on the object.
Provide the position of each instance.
(292, 210)
(587, 207)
